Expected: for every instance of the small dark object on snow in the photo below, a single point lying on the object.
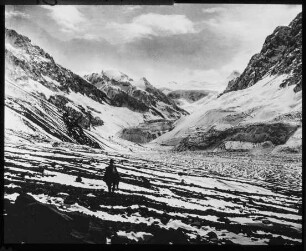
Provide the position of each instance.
(225, 220)
(78, 179)
(55, 144)
(146, 182)
(266, 221)
(212, 235)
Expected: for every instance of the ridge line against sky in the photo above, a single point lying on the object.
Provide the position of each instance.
(181, 43)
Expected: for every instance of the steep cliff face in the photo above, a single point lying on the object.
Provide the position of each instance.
(147, 132)
(138, 95)
(281, 54)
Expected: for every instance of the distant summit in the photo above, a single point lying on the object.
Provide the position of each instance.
(116, 75)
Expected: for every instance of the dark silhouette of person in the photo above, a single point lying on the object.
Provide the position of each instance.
(111, 177)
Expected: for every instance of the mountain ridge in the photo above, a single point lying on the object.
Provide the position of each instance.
(142, 91)
(281, 53)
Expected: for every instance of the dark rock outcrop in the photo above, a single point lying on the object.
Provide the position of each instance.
(36, 69)
(30, 221)
(147, 132)
(189, 95)
(281, 54)
(277, 133)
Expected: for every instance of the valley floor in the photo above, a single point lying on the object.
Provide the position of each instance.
(164, 197)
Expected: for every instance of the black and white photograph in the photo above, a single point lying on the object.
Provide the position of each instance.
(153, 124)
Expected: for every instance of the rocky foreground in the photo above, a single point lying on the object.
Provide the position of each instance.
(164, 198)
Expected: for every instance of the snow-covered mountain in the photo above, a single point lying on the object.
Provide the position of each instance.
(281, 54)
(254, 113)
(137, 95)
(46, 102)
(159, 111)
(164, 197)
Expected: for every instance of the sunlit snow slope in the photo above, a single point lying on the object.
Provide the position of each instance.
(38, 93)
(263, 103)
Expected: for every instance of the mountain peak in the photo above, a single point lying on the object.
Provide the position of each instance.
(281, 54)
(233, 75)
(144, 80)
(116, 75)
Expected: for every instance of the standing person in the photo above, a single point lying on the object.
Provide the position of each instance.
(111, 177)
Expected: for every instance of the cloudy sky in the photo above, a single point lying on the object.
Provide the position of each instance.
(182, 43)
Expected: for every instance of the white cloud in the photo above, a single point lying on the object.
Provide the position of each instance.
(132, 8)
(213, 10)
(251, 26)
(150, 24)
(120, 33)
(68, 16)
(168, 24)
(12, 13)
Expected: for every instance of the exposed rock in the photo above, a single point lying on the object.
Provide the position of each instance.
(56, 144)
(28, 63)
(163, 236)
(281, 54)
(30, 221)
(36, 69)
(139, 96)
(277, 133)
(265, 221)
(212, 235)
(189, 95)
(147, 132)
(38, 223)
(146, 182)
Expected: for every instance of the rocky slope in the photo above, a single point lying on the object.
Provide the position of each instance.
(146, 132)
(254, 111)
(159, 111)
(189, 95)
(138, 95)
(47, 102)
(281, 54)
